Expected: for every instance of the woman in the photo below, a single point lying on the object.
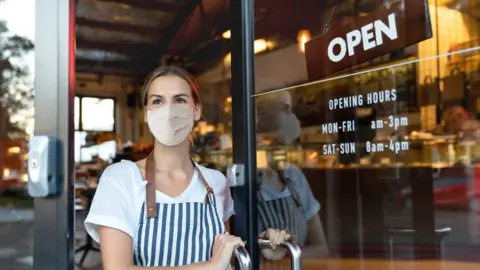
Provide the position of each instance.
(285, 200)
(165, 210)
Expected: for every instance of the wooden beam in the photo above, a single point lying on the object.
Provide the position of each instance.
(122, 27)
(125, 68)
(134, 65)
(108, 71)
(131, 49)
(147, 4)
(170, 32)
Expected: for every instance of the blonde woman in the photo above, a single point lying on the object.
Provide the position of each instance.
(165, 210)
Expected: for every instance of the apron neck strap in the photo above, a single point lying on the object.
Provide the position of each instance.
(151, 199)
(209, 198)
(287, 181)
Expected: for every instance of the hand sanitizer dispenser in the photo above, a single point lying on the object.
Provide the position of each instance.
(45, 166)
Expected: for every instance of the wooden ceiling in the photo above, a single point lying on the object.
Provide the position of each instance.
(130, 37)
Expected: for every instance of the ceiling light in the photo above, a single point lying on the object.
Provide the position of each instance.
(227, 34)
(303, 37)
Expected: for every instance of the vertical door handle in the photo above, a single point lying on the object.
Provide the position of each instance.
(293, 249)
(241, 254)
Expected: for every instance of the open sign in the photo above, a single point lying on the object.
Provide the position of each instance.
(367, 38)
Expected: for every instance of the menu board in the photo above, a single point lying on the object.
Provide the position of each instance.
(392, 122)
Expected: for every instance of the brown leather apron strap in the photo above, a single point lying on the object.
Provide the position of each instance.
(289, 184)
(209, 197)
(150, 196)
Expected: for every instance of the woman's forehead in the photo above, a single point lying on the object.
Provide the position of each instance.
(169, 86)
(276, 99)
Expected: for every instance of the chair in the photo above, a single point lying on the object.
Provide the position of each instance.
(394, 232)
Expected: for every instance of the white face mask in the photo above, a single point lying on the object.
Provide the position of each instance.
(170, 124)
(288, 128)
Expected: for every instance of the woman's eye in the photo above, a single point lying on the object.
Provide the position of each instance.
(157, 101)
(181, 100)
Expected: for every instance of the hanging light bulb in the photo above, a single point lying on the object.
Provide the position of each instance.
(303, 37)
(227, 34)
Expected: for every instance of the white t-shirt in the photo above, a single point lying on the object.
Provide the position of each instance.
(121, 192)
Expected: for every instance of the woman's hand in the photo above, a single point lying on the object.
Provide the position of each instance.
(276, 237)
(223, 247)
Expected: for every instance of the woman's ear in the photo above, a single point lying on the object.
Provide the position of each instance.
(197, 114)
(145, 114)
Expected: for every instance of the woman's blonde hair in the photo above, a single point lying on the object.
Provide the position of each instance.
(171, 71)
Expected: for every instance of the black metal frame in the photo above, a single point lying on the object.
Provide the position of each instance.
(54, 239)
(55, 71)
(243, 122)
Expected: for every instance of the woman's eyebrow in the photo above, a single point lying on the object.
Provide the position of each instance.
(180, 95)
(156, 96)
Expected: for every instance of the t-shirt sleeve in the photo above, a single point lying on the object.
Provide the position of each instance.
(228, 204)
(310, 205)
(111, 207)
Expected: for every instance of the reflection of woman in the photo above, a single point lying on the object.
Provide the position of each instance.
(285, 200)
(165, 210)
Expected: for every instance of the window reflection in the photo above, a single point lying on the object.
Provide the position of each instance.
(396, 172)
(284, 196)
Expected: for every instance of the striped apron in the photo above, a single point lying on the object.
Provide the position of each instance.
(283, 214)
(175, 234)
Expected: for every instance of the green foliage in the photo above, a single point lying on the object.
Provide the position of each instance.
(16, 93)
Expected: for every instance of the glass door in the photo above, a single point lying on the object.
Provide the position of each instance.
(366, 126)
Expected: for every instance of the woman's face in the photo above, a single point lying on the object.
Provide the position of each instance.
(171, 90)
(268, 114)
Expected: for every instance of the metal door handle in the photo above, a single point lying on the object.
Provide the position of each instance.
(243, 258)
(293, 249)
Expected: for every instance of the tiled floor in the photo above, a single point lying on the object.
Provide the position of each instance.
(16, 251)
(16, 241)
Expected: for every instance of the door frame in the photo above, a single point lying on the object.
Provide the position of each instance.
(53, 246)
(53, 240)
(242, 88)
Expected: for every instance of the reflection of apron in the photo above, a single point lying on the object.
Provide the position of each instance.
(284, 213)
(175, 234)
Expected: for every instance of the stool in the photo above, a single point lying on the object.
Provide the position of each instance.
(440, 233)
(88, 246)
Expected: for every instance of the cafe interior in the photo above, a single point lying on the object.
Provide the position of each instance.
(405, 185)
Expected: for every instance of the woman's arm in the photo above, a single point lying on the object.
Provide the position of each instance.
(316, 242)
(117, 252)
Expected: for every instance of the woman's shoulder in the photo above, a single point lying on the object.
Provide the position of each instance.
(125, 173)
(295, 174)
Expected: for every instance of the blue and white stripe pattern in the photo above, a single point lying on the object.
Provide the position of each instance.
(181, 234)
(282, 214)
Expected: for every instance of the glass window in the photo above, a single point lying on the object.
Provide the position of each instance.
(94, 117)
(98, 114)
(382, 151)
